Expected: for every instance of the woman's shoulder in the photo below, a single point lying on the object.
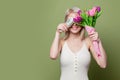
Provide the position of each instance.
(62, 41)
(87, 41)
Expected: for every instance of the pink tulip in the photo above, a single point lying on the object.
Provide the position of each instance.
(92, 11)
(79, 12)
(98, 9)
(77, 19)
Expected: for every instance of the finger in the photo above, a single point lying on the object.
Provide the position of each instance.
(65, 28)
(94, 38)
(95, 33)
(60, 30)
(92, 33)
(91, 36)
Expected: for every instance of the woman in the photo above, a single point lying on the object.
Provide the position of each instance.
(74, 49)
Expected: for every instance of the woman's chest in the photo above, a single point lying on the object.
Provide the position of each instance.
(67, 57)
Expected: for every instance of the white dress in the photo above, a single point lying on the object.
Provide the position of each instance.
(74, 66)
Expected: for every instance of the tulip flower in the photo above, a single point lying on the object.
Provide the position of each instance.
(77, 19)
(89, 18)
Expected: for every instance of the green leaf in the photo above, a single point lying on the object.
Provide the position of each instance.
(87, 22)
(90, 20)
(94, 24)
(95, 16)
(83, 23)
(99, 14)
(86, 16)
(83, 15)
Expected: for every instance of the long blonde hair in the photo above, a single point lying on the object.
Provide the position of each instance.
(69, 11)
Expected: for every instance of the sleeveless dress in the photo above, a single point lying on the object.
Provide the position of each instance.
(74, 66)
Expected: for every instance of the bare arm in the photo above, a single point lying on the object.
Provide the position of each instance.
(57, 42)
(55, 48)
(102, 60)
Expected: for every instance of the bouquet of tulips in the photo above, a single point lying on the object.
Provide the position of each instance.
(88, 19)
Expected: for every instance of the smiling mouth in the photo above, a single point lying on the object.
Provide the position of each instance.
(75, 27)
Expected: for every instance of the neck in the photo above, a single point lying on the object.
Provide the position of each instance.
(75, 36)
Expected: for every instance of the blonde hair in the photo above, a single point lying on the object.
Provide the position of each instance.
(71, 10)
(67, 13)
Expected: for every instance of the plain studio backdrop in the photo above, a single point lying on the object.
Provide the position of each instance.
(27, 28)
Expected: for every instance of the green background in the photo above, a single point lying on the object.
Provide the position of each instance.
(27, 28)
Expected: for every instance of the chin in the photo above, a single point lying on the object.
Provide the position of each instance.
(74, 31)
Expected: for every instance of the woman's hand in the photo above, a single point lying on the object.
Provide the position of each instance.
(94, 36)
(62, 28)
(101, 58)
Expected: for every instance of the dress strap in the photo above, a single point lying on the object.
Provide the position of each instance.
(64, 44)
(85, 44)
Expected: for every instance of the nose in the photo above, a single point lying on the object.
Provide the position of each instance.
(75, 26)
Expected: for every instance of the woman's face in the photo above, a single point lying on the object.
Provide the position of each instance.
(74, 28)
